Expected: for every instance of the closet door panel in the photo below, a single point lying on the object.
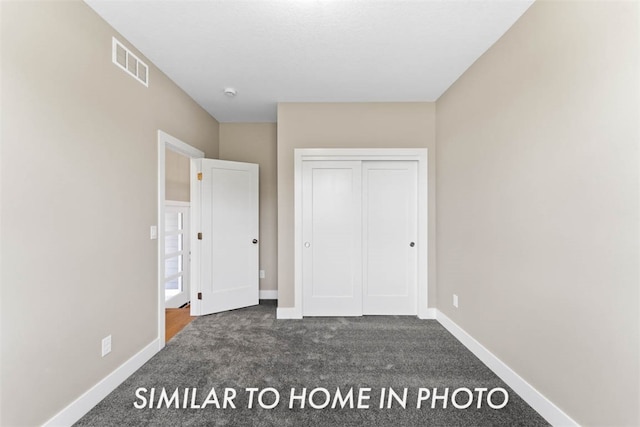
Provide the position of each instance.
(331, 247)
(389, 237)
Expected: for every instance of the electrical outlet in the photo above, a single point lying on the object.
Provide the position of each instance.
(106, 345)
(455, 300)
(262, 276)
(153, 232)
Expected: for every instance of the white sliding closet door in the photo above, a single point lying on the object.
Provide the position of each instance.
(389, 233)
(359, 237)
(332, 244)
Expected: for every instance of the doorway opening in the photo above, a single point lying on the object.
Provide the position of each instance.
(174, 145)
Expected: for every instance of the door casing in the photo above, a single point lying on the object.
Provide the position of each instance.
(375, 154)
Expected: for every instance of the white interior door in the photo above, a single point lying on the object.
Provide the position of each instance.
(176, 254)
(390, 230)
(331, 251)
(225, 229)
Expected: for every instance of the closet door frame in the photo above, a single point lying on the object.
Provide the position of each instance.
(418, 155)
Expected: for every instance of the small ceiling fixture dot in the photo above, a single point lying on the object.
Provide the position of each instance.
(230, 92)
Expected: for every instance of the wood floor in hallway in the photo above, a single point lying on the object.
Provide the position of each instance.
(176, 319)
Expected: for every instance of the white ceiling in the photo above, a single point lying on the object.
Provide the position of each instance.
(274, 51)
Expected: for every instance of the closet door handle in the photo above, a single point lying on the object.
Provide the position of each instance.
(255, 241)
(412, 244)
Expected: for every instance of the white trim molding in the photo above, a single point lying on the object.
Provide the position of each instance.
(288, 313)
(420, 155)
(268, 294)
(177, 203)
(547, 409)
(83, 404)
(428, 314)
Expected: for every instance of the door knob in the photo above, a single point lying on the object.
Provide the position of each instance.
(307, 244)
(412, 244)
(255, 241)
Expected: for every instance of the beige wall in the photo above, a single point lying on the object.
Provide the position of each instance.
(177, 168)
(77, 198)
(347, 125)
(256, 143)
(538, 205)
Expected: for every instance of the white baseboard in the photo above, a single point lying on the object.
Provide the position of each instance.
(429, 313)
(288, 313)
(268, 295)
(79, 407)
(526, 391)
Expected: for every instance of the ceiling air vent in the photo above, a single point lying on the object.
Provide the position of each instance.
(130, 63)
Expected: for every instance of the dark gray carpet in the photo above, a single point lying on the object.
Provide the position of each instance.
(250, 348)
